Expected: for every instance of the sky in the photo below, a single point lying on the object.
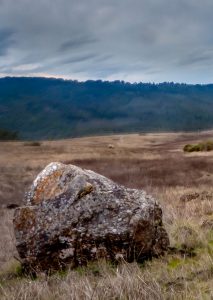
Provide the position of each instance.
(130, 40)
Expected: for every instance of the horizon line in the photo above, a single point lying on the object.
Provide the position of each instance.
(104, 80)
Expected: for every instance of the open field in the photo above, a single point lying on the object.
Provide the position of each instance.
(182, 182)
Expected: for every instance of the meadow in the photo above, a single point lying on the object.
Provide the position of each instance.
(182, 182)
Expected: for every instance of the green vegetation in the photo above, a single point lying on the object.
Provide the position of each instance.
(204, 146)
(42, 108)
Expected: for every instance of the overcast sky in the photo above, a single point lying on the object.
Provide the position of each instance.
(131, 40)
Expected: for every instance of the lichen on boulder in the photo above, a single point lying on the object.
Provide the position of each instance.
(73, 216)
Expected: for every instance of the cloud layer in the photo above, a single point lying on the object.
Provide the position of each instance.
(132, 40)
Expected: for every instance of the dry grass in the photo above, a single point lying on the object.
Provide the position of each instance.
(182, 182)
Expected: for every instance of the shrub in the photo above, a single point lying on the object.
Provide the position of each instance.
(209, 145)
(204, 146)
(187, 148)
(33, 144)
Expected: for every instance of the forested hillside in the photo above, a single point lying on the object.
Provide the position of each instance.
(40, 108)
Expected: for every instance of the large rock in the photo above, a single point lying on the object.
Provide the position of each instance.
(73, 216)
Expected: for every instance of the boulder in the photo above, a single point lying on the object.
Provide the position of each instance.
(73, 216)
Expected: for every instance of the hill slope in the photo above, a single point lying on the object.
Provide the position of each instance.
(40, 108)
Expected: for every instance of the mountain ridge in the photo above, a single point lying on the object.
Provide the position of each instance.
(49, 108)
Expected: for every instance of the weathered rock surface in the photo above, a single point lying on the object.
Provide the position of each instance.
(74, 215)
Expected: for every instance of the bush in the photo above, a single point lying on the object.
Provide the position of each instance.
(33, 144)
(209, 145)
(205, 146)
(187, 148)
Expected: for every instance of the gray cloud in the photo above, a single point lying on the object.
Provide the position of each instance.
(76, 42)
(6, 40)
(77, 59)
(134, 40)
(197, 58)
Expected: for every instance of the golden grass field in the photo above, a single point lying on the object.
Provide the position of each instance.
(183, 184)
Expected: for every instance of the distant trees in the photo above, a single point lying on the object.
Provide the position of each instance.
(44, 108)
(6, 135)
